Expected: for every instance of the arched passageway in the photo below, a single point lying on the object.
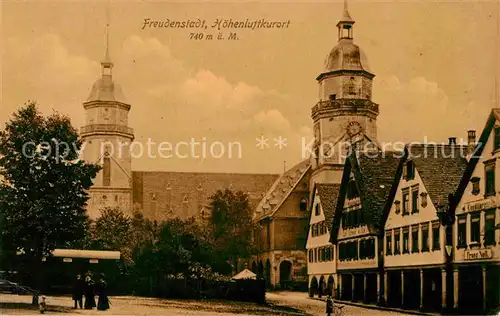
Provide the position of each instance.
(313, 287)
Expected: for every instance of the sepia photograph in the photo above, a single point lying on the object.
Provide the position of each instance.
(234, 157)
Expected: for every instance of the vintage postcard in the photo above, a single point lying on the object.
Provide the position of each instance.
(257, 157)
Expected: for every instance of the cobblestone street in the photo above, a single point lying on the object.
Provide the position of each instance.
(282, 303)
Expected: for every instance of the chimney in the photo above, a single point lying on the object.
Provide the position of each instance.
(471, 137)
(452, 140)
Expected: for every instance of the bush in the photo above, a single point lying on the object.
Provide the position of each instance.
(188, 288)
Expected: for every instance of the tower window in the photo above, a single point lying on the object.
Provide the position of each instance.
(351, 88)
(106, 172)
(333, 97)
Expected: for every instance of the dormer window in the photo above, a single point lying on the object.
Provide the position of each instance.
(352, 191)
(316, 210)
(333, 97)
(475, 185)
(410, 170)
(303, 204)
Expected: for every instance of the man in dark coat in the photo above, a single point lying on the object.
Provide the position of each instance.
(78, 288)
(329, 305)
(103, 301)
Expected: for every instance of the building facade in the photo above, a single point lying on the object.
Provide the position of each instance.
(281, 218)
(366, 188)
(476, 230)
(321, 259)
(414, 242)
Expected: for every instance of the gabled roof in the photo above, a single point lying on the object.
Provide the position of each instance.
(440, 167)
(280, 190)
(328, 195)
(474, 159)
(375, 175)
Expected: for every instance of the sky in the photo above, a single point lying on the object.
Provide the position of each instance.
(435, 65)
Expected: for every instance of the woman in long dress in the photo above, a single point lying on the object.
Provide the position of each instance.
(89, 292)
(103, 301)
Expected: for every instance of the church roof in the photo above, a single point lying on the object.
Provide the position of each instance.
(185, 194)
(280, 190)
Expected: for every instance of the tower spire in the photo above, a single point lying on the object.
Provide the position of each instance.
(107, 64)
(346, 17)
(345, 24)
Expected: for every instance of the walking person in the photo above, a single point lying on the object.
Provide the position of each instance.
(329, 305)
(78, 289)
(103, 301)
(89, 292)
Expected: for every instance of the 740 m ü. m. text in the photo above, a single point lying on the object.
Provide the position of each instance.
(206, 36)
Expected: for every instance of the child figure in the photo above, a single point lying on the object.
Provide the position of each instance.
(43, 305)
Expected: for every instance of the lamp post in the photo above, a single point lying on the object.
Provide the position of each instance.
(446, 217)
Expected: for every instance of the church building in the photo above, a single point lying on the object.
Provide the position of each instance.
(344, 116)
(158, 195)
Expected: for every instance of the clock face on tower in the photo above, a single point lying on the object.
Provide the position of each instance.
(354, 128)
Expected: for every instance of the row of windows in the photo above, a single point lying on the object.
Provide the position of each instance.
(475, 229)
(393, 238)
(322, 254)
(415, 197)
(358, 249)
(352, 219)
(319, 229)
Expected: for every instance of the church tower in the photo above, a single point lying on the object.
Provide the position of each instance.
(344, 113)
(107, 137)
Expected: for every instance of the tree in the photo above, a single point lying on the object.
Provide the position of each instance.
(44, 188)
(112, 231)
(232, 225)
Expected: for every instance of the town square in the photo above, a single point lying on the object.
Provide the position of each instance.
(253, 158)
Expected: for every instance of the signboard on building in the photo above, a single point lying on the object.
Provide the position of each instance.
(479, 205)
(478, 254)
(353, 232)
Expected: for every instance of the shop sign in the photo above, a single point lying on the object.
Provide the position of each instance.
(478, 254)
(481, 205)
